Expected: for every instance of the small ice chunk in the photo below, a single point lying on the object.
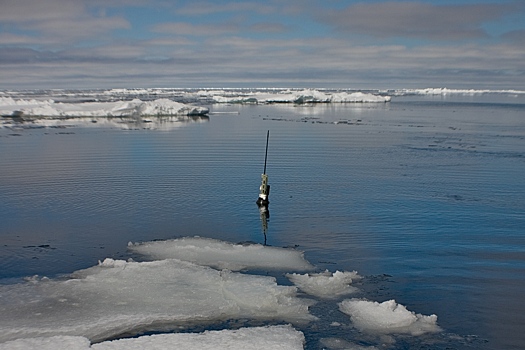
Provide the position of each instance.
(325, 284)
(387, 317)
(223, 255)
(341, 344)
(119, 297)
(256, 338)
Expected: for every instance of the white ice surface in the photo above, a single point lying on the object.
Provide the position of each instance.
(294, 96)
(447, 91)
(136, 107)
(325, 284)
(388, 317)
(263, 338)
(48, 343)
(223, 255)
(118, 297)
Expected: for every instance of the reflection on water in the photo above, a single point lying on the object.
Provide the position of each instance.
(425, 199)
(165, 123)
(264, 213)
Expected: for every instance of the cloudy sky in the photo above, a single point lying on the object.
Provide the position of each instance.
(272, 43)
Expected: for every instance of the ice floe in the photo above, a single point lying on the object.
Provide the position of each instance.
(223, 255)
(447, 91)
(135, 107)
(387, 317)
(191, 284)
(118, 297)
(325, 284)
(255, 338)
(297, 96)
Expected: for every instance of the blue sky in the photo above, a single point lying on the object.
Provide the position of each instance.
(292, 43)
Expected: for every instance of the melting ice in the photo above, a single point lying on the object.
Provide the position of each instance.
(326, 284)
(116, 297)
(120, 298)
(255, 338)
(387, 317)
(224, 255)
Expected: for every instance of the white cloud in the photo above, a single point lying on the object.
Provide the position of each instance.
(58, 21)
(72, 43)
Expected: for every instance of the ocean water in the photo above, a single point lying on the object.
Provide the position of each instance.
(424, 196)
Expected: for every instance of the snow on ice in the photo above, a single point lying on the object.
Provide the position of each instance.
(224, 255)
(326, 284)
(447, 91)
(255, 338)
(116, 297)
(136, 107)
(294, 96)
(387, 317)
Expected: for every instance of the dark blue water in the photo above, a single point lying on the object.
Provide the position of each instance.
(423, 196)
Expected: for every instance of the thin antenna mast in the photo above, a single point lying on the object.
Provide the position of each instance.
(266, 153)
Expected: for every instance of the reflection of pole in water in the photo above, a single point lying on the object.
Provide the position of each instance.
(264, 189)
(265, 217)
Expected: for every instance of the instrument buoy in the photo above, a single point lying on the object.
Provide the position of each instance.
(264, 189)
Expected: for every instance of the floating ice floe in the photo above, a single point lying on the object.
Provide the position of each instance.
(223, 255)
(298, 97)
(256, 338)
(447, 91)
(388, 317)
(136, 107)
(118, 297)
(326, 284)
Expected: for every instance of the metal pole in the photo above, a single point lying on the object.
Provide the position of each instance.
(266, 153)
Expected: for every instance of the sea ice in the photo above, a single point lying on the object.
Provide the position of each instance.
(325, 284)
(272, 337)
(298, 96)
(387, 317)
(48, 343)
(223, 255)
(118, 297)
(136, 107)
(447, 91)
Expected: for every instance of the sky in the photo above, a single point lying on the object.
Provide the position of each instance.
(376, 44)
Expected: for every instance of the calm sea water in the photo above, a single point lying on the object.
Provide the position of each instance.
(423, 196)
